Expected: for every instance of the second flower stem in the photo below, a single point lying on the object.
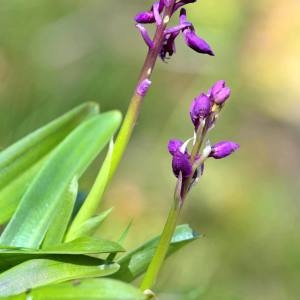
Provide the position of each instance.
(162, 249)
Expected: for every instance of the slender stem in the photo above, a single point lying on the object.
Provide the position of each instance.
(124, 137)
(137, 100)
(162, 249)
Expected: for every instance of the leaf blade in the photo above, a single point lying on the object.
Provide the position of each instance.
(57, 230)
(135, 263)
(88, 289)
(32, 218)
(21, 161)
(39, 272)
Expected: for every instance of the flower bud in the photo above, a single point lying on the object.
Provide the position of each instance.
(196, 43)
(174, 146)
(223, 149)
(200, 109)
(219, 92)
(181, 163)
(191, 39)
(145, 17)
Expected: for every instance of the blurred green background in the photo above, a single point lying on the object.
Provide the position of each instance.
(55, 54)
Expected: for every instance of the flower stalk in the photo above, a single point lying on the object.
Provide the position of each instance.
(163, 46)
(136, 101)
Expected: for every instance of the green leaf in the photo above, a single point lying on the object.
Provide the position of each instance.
(72, 251)
(21, 161)
(91, 225)
(40, 272)
(94, 197)
(57, 230)
(11, 194)
(82, 245)
(69, 159)
(135, 263)
(87, 289)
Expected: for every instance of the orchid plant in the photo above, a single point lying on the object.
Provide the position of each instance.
(51, 250)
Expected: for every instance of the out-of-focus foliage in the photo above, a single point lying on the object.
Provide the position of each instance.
(57, 54)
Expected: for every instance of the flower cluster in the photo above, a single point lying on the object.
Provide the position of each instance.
(154, 15)
(204, 112)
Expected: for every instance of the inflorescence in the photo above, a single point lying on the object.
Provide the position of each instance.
(205, 108)
(154, 15)
(204, 112)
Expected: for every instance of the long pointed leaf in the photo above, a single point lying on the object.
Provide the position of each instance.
(41, 272)
(15, 159)
(57, 230)
(11, 194)
(31, 220)
(135, 263)
(94, 197)
(73, 250)
(82, 245)
(21, 161)
(87, 289)
(91, 225)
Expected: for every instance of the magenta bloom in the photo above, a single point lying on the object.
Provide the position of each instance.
(223, 149)
(200, 109)
(180, 160)
(145, 17)
(174, 145)
(191, 38)
(219, 92)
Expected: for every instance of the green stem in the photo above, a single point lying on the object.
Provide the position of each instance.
(125, 132)
(137, 100)
(162, 249)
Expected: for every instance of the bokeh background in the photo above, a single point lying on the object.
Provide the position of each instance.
(55, 54)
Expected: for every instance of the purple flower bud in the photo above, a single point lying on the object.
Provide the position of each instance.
(196, 43)
(180, 158)
(223, 149)
(143, 87)
(219, 92)
(174, 145)
(181, 163)
(200, 109)
(191, 39)
(145, 17)
(152, 16)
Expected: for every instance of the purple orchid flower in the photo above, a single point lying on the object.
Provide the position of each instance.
(180, 159)
(200, 109)
(152, 16)
(191, 39)
(219, 92)
(223, 149)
